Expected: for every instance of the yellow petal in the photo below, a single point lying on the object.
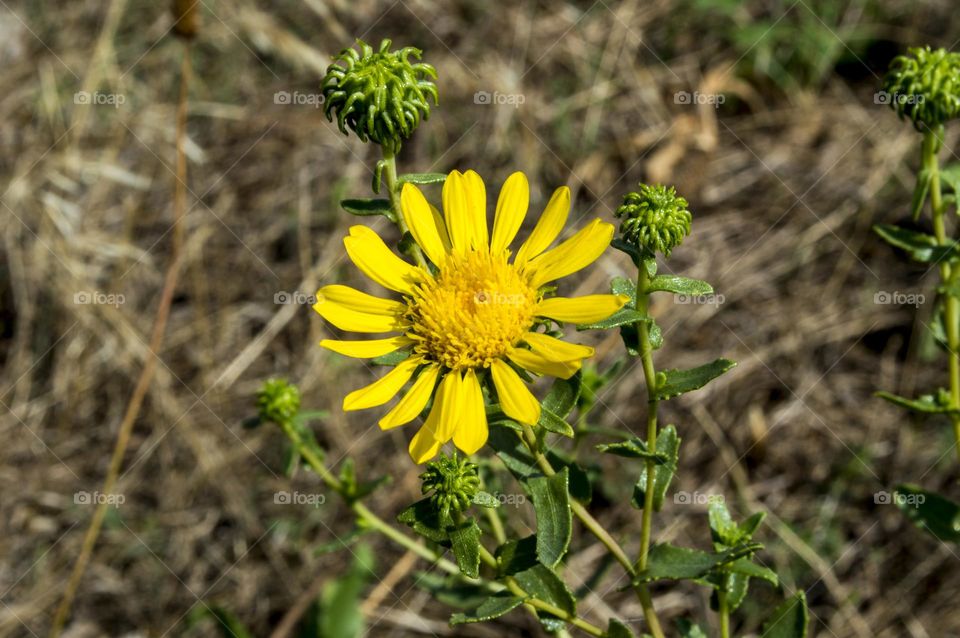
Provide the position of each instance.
(428, 439)
(441, 228)
(456, 211)
(586, 309)
(511, 210)
(384, 388)
(366, 349)
(579, 251)
(537, 363)
(377, 262)
(516, 400)
(477, 203)
(413, 401)
(555, 349)
(548, 226)
(423, 446)
(471, 431)
(450, 397)
(350, 309)
(419, 218)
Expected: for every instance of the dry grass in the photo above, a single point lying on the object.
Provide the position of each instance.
(784, 190)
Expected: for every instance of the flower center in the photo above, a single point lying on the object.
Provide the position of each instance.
(475, 309)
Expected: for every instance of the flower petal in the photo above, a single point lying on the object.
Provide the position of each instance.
(456, 211)
(350, 309)
(423, 446)
(548, 226)
(511, 210)
(384, 388)
(366, 349)
(586, 309)
(515, 398)
(419, 218)
(413, 401)
(554, 349)
(477, 203)
(535, 362)
(575, 253)
(378, 262)
(471, 431)
(428, 439)
(450, 397)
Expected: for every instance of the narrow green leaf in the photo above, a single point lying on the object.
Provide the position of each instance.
(927, 403)
(667, 562)
(930, 511)
(950, 177)
(634, 448)
(563, 395)
(541, 581)
(672, 383)
(369, 207)
(747, 568)
(516, 556)
(493, 607)
(422, 178)
(789, 620)
(628, 248)
(724, 531)
(920, 192)
(554, 423)
(668, 447)
(378, 175)
(392, 358)
(616, 629)
(551, 502)
(679, 285)
(465, 542)
(512, 452)
(340, 613)
(920, 246)
(737, 586)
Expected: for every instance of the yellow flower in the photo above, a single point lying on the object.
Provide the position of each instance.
(471, 319)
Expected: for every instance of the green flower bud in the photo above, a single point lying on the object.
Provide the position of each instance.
(924, 86)
(654, 219)
(278, 401)
(381, 96)
(454, 482)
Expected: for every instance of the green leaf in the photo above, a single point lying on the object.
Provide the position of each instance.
(667, 562)
(930, 511)
(512, 452)
(789, 620)
(920, 193)
(551, 502)
(493, 607)
(563, 395)
(378, 175)
(391, 358)
(422, 517)
(486, 499)
(634, 448)
(688, 629)
(920, 246)
(368, 207)
(623, 317)
(540, 581)
(679, 285)
(616, 629)
(516, 556)
(554, 423)
(628, 248)
(422, 178)
(672, 383)
(927, 403)
(465, 541)
(724, 531)
(750, 569)
(668, 447)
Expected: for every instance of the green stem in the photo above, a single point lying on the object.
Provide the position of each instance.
(951, 311)
(724, 610)
(393, 190)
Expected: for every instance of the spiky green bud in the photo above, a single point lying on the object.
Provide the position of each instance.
(654, 218)
(379, 95)
(278, 401)
(924, 86)
(454, 482)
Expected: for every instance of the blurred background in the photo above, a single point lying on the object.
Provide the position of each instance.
(764, 115)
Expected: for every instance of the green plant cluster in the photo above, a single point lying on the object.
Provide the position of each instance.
(924, 86)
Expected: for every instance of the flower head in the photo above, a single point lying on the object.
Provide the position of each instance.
(454, 482)
(473, 319)
(654, 218)
(924, 86)
(278, 401)
(380, 95)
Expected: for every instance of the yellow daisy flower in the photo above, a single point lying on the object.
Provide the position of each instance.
(471, 318)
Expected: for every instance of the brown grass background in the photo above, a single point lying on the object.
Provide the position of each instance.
(784, 185)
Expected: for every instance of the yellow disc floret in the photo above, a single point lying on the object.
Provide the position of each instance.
(474, 311)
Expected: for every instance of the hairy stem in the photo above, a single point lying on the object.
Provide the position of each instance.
(951, 311)
(393, 190)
